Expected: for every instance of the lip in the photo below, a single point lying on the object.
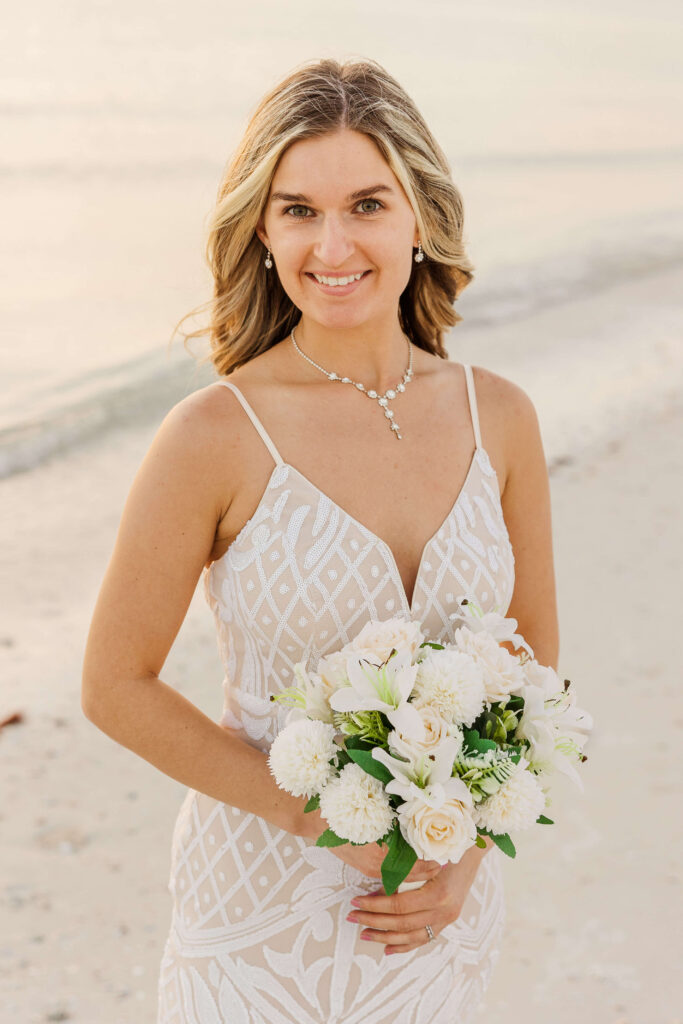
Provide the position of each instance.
(340, 289)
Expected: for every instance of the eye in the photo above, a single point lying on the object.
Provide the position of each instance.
(378, 205)
(296, 216)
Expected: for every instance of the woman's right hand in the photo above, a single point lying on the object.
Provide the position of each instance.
(368, 858)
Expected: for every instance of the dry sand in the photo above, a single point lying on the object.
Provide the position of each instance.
(86, 825)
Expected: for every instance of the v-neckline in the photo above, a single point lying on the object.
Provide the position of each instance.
(408, 605)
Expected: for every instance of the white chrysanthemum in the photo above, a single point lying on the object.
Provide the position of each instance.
(503, 673)
(300, 755)
(356, 806)
(516, 805)
(452, 683)
(376, 640)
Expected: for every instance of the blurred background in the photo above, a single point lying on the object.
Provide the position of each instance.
(562, 125)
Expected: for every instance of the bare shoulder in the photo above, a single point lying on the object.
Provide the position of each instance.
(201, 439)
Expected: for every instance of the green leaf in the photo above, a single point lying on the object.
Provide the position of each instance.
(330, 838)
(398, 862)
(542, 820)
(481, 843)
(357, 743)
(515, 703)
(475, 742)
(313, 804)
(505, 844)
(373, 767)
(430, 643)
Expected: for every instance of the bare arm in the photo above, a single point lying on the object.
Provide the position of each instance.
(527, 511)
(164, 540)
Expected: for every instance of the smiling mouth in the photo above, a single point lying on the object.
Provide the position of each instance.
(338, 282)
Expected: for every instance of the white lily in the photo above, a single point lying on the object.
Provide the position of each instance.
(384, 688)
(500, 628)
(308, 700)
(556, 729)
(425, 778)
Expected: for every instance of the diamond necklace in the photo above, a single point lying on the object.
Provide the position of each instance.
(382, 400)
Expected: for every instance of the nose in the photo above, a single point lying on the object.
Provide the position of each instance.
(333, 245)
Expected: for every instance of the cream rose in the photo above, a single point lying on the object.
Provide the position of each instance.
(376, 640)
(503, 673)
(437, 729)
(443, 832)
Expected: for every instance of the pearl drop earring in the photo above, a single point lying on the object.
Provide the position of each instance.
(268, 261)
(419, 255)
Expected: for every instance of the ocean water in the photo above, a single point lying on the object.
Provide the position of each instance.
(561, 123)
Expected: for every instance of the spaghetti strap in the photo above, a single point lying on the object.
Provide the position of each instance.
(255, 420)
(471, 395)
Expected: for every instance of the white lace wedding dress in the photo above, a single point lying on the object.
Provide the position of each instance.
(258, 933)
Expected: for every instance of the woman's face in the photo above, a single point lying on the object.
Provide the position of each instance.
(335, 209)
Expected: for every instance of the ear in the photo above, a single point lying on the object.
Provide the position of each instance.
(261, 232)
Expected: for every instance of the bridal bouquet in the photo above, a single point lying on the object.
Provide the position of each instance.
(425, 747)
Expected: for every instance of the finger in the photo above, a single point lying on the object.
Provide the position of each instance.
(398, 904)
(392, 922)
(402, 949)
(398, 939)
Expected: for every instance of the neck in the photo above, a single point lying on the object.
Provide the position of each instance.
(376, 358)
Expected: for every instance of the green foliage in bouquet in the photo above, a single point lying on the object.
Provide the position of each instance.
(399, 861)
(371, 726)
(503, 842)
(483, 776)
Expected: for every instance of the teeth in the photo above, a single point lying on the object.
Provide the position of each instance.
(336, 281)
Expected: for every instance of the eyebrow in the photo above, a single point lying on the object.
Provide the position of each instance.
(298, 197)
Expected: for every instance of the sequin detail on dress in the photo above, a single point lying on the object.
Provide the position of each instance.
(258, 931)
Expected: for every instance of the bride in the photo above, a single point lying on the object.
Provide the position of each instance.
(341, 470)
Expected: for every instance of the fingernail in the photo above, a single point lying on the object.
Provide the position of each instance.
(351, 917)
(367, 938)
(355, 903)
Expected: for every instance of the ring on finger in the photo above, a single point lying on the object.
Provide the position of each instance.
(430, 933)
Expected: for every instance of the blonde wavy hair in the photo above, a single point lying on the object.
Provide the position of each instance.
(250, 311)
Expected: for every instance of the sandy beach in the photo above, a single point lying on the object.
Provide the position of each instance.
(86, 825)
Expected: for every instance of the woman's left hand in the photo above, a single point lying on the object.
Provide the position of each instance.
(398, 921)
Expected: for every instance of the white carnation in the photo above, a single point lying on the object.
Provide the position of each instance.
(300, 755)
(356, 806)
(503, 673)
(376, 640)
(451, 682)
(516, 805)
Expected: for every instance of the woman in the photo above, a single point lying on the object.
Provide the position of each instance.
(406, 481)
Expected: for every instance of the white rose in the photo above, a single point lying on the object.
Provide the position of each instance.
(376, 640)
(440, 830)
(543, 677)
(453, 683)
(437, 729)
(332, 671)
(503, 673)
